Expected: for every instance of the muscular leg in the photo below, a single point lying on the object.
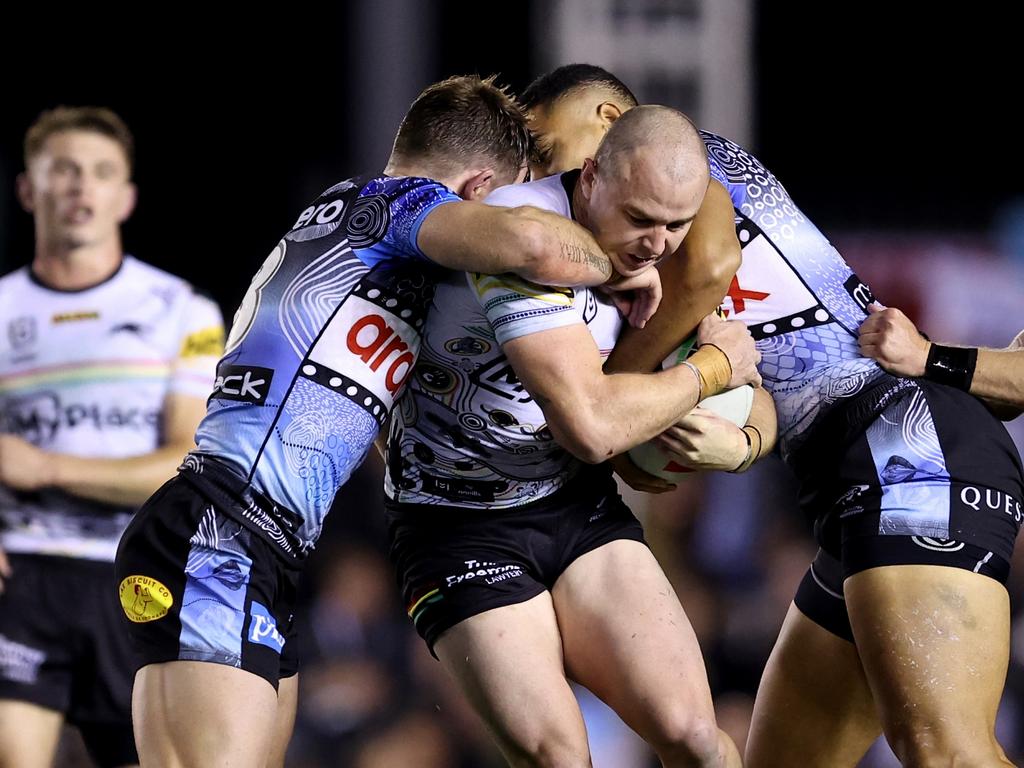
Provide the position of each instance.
(28, 734)
(814, 707)
(934, 643)
(508, 662)
(284, 722)
(190, 714)
(628, 640)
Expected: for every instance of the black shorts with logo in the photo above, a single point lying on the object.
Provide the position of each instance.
(934, 479)
(62, 647)
(195, 584)
(454, 563)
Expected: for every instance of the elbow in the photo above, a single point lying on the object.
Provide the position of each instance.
(726, 262)
(578, 436)
(591, 451)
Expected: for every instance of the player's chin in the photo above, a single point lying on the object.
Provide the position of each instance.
(629, 265)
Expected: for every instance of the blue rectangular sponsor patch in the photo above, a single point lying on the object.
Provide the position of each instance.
(263, 628)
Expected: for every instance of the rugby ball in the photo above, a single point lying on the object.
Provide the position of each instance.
(732, 404)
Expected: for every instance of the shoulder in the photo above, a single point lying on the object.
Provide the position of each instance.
(548, 194)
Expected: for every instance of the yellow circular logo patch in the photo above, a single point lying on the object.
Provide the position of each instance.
(144, 599)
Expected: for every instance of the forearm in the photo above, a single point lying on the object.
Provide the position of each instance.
(999, 377)
(763, 418)
(128, 482)
(559, 252)
(621, 411)
(687, 299)
(538, 245)
(762, 425)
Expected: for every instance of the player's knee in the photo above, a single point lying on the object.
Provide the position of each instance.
(925, 748)
(553, 751)
(687, 739)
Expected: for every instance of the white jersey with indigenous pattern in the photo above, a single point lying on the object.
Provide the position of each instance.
(86, 373)
(466, 433)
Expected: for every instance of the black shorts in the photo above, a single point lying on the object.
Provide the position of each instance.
(197, 585)
(62, 647)
(453, 563)
(934, 480)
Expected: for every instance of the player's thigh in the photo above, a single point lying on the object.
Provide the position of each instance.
(813, 707)
(194, 714)
(629, 641)
(934, 642)
(508, 663)
(28, 734)
(284, 723)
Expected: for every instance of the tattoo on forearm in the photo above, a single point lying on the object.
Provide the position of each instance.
(579, 254)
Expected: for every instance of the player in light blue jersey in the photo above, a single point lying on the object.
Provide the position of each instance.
(320, 348)
(901, 624)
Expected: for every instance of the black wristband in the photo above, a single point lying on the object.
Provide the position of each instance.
(953, 366)
(749, 458)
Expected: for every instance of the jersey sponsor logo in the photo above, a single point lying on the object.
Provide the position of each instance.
(144, 599)
(859, 291)
(320, 213)
(498, 376)
(938, 545)
(489, 573)
(40, 418)
(74, 317)
(18, 662)
(766, 288)
(851, 502)
(461, 489)
(22, 332)
(243, 383)
(263, 628)
(206, 342)
(373, 346)
(990, 498)
(740, 296)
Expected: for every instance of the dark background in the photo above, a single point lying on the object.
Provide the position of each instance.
(870, 120)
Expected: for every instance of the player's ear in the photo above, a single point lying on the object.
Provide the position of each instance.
(608, 112)
(477, 186)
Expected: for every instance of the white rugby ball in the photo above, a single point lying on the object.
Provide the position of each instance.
(732, 404)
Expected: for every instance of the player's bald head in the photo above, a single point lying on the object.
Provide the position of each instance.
(659, 135)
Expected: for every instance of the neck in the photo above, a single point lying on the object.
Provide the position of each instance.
(72, 268)
(579, 204)
(413, 168)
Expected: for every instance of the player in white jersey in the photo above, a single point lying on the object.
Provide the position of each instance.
(901, 624)
(520, 565)
(105, 364)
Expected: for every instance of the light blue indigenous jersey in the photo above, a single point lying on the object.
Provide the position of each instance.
(802, 302)
(320, 349)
